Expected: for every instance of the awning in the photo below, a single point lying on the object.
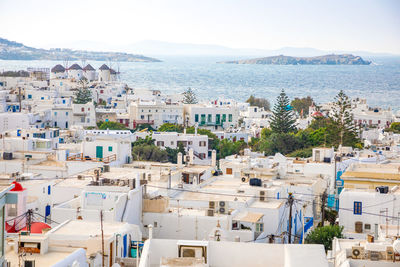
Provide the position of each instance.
(251, 217)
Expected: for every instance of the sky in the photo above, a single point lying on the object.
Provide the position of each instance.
(355, 25)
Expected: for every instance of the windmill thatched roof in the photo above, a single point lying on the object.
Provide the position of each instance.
(58, 68)
(75, 67)
(104, 67)
(88, 67)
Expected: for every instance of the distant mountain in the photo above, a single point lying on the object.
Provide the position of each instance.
(346, 59)
(10, 50)
(150, 47)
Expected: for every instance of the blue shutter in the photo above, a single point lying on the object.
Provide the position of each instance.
(49, 190)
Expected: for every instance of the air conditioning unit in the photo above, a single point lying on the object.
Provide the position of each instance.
(262, 196)
(29, 263)
(389, 253)
(374, 255)
(222, 210)
(211, 205)
(210, 212)
(80, 177)
(191, 252)
(222, 203)
(357, 252)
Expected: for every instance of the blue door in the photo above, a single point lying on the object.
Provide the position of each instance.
(125, 244)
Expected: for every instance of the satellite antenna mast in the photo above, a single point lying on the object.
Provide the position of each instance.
(118, 73)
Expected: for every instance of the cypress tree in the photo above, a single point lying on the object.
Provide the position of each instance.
(189, 96)
(343, 120)
(283, 120)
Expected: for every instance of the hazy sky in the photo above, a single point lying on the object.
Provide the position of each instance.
(328, 25)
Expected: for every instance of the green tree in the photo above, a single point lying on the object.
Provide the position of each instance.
(111, 125)
(259, 102)
(283, 120)
(342, 119)
(148, 140)
(170, 127)
(83, 95)
(149, 153)
(301, 153)
(302, 104)
(394, 127)
(173, 153)
(324, 235)
(189, 96)
(227, 147)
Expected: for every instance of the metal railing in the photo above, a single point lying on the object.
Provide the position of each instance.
(81, 157)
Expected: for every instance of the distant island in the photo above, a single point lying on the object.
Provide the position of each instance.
(345, 59)
(10, 50)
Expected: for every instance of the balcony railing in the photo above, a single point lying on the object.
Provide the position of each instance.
(138, 122)
(80, 157)
(210, 123)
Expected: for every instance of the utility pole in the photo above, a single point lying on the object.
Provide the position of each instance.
(29, 220)
(102, 238)
(323, 200)
(19, 98)
(290, 202)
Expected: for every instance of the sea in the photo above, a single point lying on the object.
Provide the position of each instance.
(379, 82)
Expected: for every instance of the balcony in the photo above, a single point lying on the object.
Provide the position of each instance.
(210, 123)
(81, 157)
(138, 122)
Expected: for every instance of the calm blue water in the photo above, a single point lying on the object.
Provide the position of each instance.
(379, 83)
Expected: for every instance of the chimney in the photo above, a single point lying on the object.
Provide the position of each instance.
(150, 231)
(191, 155)
(179, 160)
(214, 158)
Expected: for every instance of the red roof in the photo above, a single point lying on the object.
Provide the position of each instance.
(11, 228)
(317, 114)
(37, 227)
(17, 187)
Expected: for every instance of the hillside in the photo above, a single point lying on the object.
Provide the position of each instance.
(345, 59)
(10, 50)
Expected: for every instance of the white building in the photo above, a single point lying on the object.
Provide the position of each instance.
(104, 73)
(75, 72)
(84, 114)
(172, 252)
(58, 72)
(109, 149)
(89, 73)
(211, 117)
(154, 113)
(362, 211)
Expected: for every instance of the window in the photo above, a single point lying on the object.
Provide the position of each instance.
(29, 96)
(172, 143)
(12, 210)
(142, 117)
(259, 227)
(230, 117)
(357, 208)
(66, 113)
(223, 117)
(196, 118)
(63, 101)
(160, 143)
(110, 148)
(203, 118)
(55, 113)
(209, 119)
(82, 109)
